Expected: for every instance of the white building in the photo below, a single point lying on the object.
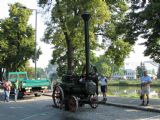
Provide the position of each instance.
(130, 70)
(128, 74)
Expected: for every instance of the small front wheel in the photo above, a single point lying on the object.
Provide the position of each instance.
(73, 104)
(94, 101)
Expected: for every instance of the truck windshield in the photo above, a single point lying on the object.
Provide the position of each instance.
(23, 76)
(13, 76)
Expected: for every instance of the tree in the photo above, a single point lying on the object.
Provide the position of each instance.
(3, 51)
(27, 68)
(143, 21)
(113, 34)
(118, 51)
(104, 66)
(41, 73)
(158, 72)
(66, 33)
(140, 69)
(17, 38)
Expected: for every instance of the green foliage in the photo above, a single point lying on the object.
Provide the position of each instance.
(67, 25)
(158, 73)
(113, 37)
(16, 38)
(31, 71)
(3, 50)
(65, 32)
(104, 66)
(146, 24)
(155, 83)
(118, 51)
(139, 71)
(41, 73)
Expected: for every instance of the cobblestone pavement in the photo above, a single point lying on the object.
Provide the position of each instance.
(153, 105)
(40, 108)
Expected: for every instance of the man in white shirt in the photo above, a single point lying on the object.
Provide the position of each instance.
(103, 82)
(145, 87)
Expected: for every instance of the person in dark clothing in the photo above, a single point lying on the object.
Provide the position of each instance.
(16, 90)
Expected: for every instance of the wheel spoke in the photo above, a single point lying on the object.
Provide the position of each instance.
(58, 96)
(93, 101)
(73, 104)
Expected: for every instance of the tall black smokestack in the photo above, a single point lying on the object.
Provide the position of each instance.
(86, 17)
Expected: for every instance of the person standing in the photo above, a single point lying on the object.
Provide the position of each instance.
(16, 90)
(7, 88)
(145, 87)
(103, 82)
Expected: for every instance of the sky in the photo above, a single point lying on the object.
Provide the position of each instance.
(32, 4)
(135, 56)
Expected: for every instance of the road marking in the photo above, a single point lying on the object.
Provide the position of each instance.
(150, 118)
(38, 114)
(15, 107)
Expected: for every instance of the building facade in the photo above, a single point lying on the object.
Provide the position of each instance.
(130, 70)
(129, 74)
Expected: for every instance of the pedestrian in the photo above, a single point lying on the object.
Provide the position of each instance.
(7, 88)
(16, 90)
(145, 87)
(103, 83)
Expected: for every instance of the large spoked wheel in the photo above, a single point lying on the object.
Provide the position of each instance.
(94, 101)
(73, 104)
(58, 96)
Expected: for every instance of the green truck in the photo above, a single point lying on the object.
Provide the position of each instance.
(27, 86)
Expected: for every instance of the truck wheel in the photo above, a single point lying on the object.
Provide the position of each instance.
(20, 95)
(37, 94)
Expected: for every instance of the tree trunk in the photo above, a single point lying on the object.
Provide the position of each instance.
(158, 73)
(2, 70)
(1, 74)
(69, 54)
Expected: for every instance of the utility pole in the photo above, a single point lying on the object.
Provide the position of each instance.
(35, 55)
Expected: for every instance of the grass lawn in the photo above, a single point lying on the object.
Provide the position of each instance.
(155, 83)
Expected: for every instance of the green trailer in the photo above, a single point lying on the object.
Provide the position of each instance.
(27, 86)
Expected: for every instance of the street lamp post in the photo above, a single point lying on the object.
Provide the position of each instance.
(35, 55)
(35, 44)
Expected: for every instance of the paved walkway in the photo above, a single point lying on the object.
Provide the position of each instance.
(154, 105)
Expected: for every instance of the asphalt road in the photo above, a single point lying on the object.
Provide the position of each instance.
(40, 108)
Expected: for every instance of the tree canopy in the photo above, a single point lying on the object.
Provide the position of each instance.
(17, 44)
(65, 31)
(143, 21)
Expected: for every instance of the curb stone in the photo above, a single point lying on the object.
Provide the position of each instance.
(130, 106)
(124, 105)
